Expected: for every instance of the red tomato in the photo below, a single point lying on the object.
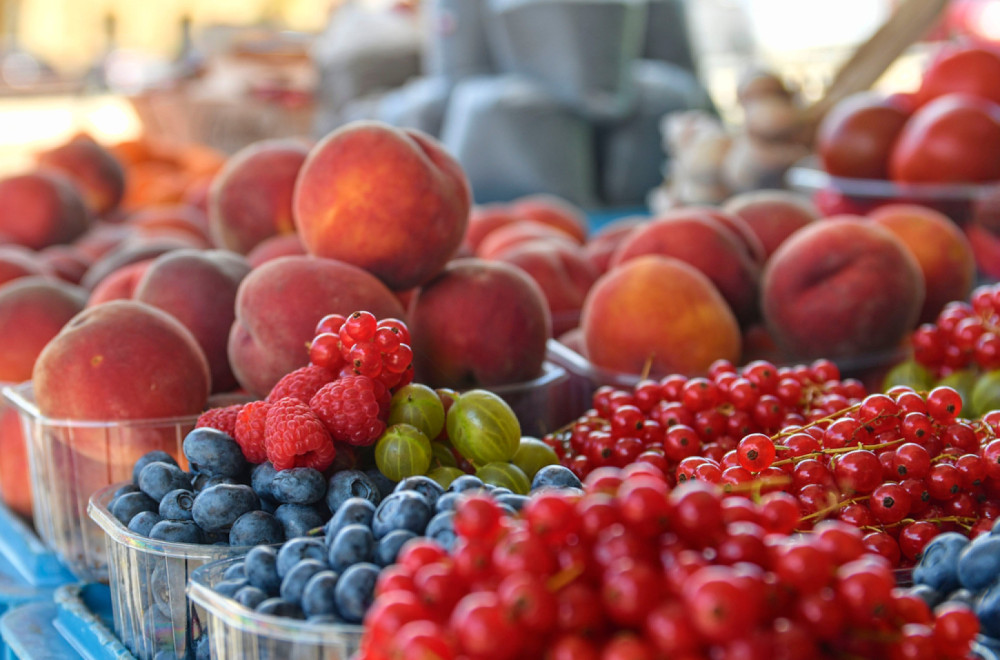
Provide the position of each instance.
(972, 71)
(952, 139)
(856, 136)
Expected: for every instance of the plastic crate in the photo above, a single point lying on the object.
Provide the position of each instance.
(74, 624)
(148, 579)
(237, 632)
(70, 460)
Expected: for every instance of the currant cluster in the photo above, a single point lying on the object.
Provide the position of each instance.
(663, 422)
(634, 570)
(964, 334)
(361, 345)
(900, 466)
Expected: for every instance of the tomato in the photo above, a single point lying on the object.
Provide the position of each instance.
(973, 71)
(952, 139)
(856, 136)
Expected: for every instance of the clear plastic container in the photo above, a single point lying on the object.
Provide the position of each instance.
(70, 460)
(15, 482)
(237, 632)
(540, 404)
(148, 579)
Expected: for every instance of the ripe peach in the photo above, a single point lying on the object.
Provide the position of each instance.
(658, 312)
(553, 211)
(16, 262)
(278, 306)
(563, 273)
(198, 288)
(479, 323)
(251, 198)
(101, 238)
(283, 245)
(388, 200)
(986, 246)
(841, 287)
(178, 220)
(138, 248)
(15, 481)
(119, 284)
(522, 231)
(483, 219)
(772, 215)
(738, 227)
(66, 262)
(603, 243)
(94, 170)
(121, 360)
(32, 311)
(942, 250)
(705, 244)
(41, 209)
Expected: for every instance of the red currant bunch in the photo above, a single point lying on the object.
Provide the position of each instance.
(965, 334)
(361, 345)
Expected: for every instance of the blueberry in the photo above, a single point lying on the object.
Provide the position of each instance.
(126, 507)
(142, 523)
(406, 509)
(500, 490)
(295, 580)
(269, 505)
(218, 507)
(200, 482)
(464, 483)
(318, 595)
(355, 591)
(351, 545)
(157, 479)
(261, 478)
(447, 502)
(298, 486)
(156, 456)
(177, 531)
(556, 476)
(988, 611)
(297, 550)
(229, 588)
(426, 486)
(978, 563)
(384, 484)
(353, 511)
(441, 528)
(256, 528)
(280, 607)
(250, 597)
(508, 509)
(176, 505)
(127, 488)
(928, 594)
(210, 451)
(346, 484)
(938, 567)
(324, 619)
(298, 519)
(387, 548)
(515, 502)
(261, 566)
(963, 596)
(236, 570)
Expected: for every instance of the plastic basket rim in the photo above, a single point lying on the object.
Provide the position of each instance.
(21, 396)
(246, 620)
(807, 176)
(114, 530)
(551, 373)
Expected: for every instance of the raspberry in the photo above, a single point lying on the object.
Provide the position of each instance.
(249, 430)
(222, 419)
(351, 409)
(295, 437)
(301, 384)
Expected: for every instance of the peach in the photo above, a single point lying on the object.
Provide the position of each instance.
(603, 243)
(573, 340)
(278, 306)
(66, 262)
(15, 481)
(119, 284)
(661, 314)
(478, 324)
(251, 198)
(198, 288)
(504, 238)
(740, 229)
(986, 246)
(553, 211)
(32, 311)
(942, 250)
(772, 215)
(283, 245)
(94, 170)
(138, 248)
(388, 200)
(16, 263)
(701, 242)
(101, 238)
(121, 360)
(839, 288)
(484, 219)
(178, 220)
(41, 209)
(561, 271)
